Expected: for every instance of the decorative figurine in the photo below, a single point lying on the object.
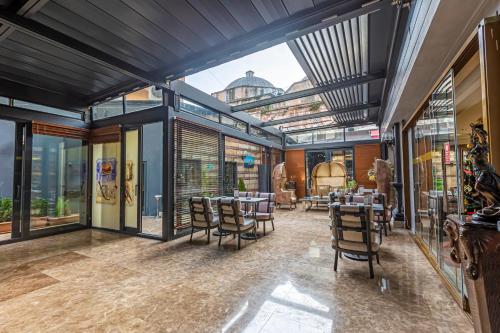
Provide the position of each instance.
(487, 180)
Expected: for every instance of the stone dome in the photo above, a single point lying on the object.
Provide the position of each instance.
(249, 80)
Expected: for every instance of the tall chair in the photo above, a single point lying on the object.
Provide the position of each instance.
(265, 210)
(282, 195)
(202, 216)
(381, 216)
(231, 219)
(354, 233)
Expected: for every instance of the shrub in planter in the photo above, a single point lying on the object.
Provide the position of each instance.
(5, 209)
(62, 207)
(241, 185)
(39, 207)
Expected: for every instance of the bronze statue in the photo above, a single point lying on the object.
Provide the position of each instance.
(487, 181)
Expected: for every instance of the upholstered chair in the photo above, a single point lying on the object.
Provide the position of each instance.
(231, 219)
(202, 216)
(353, 232)
(282, 195)
(265, 209)
(383, 216)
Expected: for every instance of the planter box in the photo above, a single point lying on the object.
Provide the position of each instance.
(74, 218)
(5, 227)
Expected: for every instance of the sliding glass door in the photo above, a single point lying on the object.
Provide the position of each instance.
(8, 227)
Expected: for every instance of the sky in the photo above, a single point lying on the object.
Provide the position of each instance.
(276, 64)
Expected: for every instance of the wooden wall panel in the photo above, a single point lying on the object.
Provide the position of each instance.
(364, 156)
(489, 52)
(295, 163)
(60, 130)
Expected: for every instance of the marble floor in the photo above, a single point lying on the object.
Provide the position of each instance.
(96, 281)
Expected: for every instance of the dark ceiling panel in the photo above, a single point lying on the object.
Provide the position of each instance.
(294, 6)
(168, 23)
(67, 22)
(139, 23)
(219, 17)
(193, 20)
(245, 13)
(271, 10)
(115, 28)
(43, 47)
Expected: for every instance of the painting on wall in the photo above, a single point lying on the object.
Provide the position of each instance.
(129, 183)
(107, 188)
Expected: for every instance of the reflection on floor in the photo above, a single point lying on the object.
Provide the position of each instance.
(151, 225)
(98, 281)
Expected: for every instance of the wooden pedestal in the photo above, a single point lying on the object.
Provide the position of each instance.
(477, 247)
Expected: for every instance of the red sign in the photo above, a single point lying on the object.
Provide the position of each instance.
(375, 134)
(447, 153)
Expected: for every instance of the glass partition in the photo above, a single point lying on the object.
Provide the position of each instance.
(359, 133)
(108, 109)
(234, 123)
(314, 157)
(46, 109)
(58, 181)
(199, 110)
(143, 99)
(4, 100)
(7, 146)
(243, 166)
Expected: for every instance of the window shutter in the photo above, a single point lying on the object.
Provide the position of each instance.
(197, 152)
(60, 130)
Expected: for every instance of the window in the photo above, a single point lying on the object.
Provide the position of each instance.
(108, 109)
(329, 135)
(234, 123)
(143, 99)
(4, 100)
(199, 110)
(369, 132)
(58, 182)
(46, 109)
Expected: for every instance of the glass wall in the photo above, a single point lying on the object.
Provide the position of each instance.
(47, 109)
(360, 133)
(435, 177)
(143, 99)
(58, 181)
(7, 146)
(243, 166)
(108, 109)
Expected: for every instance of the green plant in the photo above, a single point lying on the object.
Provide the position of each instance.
(5, 209)
(241, 185)
(315, 106)
(352, 184)
(62, 207)
(39, 207)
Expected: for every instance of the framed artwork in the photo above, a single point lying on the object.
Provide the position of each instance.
(107, 188)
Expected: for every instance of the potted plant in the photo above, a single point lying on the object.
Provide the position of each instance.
(63, 213)
(241, 185)
(5, 215)
(352, 185)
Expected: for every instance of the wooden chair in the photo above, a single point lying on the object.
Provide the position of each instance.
(380, 217)
(202, 216)
(265, 210)
(354, 233)
(232, 221)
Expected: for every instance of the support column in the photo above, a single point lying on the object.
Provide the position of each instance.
(398, 212)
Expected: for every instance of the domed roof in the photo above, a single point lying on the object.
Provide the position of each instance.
(249, 80)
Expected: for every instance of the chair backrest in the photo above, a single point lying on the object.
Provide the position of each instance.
(357, 199)
(229, 211)
(265, 206)
(201, 210)
(352, 223)
(379, 198)
(245, 195)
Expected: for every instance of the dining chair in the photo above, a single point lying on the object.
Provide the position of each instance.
(380, 216)
(244, 195)
(202, 216)
(265, 210)
(231, 219)
(353, 232)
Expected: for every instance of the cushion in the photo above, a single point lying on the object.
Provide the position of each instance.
(263, 216)
(199, 224)
(246, 225)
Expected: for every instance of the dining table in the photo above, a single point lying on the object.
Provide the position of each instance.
(249, 202)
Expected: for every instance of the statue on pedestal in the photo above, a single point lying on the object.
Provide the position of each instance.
(487, 180)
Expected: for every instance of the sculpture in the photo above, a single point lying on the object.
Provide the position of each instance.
(487, 181)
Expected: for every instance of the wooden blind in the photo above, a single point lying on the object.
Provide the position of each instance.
(197, 153)
(60, 130)
(105, 134)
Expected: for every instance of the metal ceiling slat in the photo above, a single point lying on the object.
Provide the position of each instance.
(326, 41)
(349, 47)
(356, 44)
(339, 33)
(245, 13)
(312, 60)
(314, 57)
(323, 58)
(336, 48)
(270, 10)
(363, 22)
(294, 6)
(307, 57)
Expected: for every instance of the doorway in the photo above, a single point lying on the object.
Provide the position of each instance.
(143, 179)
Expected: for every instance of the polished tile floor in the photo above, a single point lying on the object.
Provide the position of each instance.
(95, 281)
